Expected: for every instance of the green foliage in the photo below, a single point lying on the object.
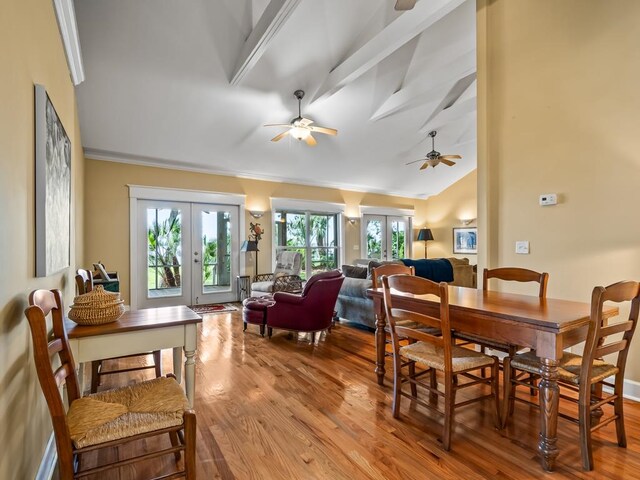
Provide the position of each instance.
(374, 239)
(164, 249)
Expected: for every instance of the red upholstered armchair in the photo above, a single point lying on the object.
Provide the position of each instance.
(310, 312)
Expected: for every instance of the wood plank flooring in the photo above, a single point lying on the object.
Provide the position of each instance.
(286, 409)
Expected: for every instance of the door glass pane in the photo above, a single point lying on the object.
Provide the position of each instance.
(216, 251)
(398, 239)
(374, 239)
(164, 249)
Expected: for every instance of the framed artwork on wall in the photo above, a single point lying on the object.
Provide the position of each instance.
(465, 240)
(53, 188)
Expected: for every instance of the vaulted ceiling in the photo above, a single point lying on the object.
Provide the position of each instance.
(190, 83)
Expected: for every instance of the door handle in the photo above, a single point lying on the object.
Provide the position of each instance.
(195, 260)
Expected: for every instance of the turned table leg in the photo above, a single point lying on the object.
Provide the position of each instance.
(380, 340)
(549, 400)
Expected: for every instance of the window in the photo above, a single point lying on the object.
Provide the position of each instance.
(313, 234)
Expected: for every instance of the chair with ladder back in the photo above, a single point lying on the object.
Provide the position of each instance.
(433, 353)
(587, 374)
(107, 419)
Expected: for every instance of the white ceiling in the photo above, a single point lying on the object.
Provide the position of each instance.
(158, 91)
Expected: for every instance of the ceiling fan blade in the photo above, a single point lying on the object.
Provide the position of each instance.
(456, 157)
(405, 4)
(311, 141)
(447, 162)
(277, 125)
(281, 136)
(425, 165)
(328, 131)
(305, 122)
(416, 161)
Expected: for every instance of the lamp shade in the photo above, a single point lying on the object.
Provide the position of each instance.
(425, 234)
(249, 246)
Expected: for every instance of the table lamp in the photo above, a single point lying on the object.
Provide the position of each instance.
(425, 235)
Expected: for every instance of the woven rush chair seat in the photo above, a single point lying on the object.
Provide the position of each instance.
(433, 356)
(569, 367)
(415, 326)
(127, 411)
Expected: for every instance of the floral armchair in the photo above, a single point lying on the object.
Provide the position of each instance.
(285, 277)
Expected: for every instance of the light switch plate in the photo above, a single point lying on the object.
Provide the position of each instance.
(522, 247)
(356, 247)
(548, 199)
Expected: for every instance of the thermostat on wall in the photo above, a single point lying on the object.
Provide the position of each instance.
(548, 199)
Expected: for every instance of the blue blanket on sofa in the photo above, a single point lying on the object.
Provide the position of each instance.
(437, 269)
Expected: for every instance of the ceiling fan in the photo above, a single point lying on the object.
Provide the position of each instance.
(405, 4)
(433, 158)
(300, 128)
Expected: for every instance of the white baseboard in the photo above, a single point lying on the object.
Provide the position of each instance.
(631, 389)
(49, 460)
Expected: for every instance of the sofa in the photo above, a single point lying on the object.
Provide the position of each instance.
(355, 306)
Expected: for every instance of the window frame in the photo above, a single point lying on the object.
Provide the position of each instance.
(307, 266)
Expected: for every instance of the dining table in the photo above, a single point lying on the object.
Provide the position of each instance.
(546, 325)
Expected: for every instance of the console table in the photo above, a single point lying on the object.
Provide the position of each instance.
(141, 331)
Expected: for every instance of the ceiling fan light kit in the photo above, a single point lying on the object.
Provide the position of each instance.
(300, 128)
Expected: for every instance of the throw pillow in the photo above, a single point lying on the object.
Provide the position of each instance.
(375, 263)
(354, 271)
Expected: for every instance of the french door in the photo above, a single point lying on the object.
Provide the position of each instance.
(385, 237)
(190, 253)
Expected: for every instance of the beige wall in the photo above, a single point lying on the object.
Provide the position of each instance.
(31, 53)
(445, 211)
(107, 208)
(558, 113)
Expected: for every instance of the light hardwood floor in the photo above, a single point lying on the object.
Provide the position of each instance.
(286, 409)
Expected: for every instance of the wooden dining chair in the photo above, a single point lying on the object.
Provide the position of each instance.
(84, 284)
(509, 274)
(433, 353)
(586, 374)
(376, 277)
(106, 419)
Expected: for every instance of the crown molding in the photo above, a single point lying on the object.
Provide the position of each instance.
(68, 27)
(119, 157)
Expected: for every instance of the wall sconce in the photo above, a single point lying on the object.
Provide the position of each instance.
(467, 222)
(352, 220)
(256, 213)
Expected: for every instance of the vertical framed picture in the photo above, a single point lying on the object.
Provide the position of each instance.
(53, 188)
(465, 240)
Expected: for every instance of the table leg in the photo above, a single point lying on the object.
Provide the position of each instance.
(177, 363)
(81, 378)
(190, 375)
(380, 340)
(549, 401)
(190, 343)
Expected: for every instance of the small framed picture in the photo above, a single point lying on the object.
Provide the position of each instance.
(465, 240)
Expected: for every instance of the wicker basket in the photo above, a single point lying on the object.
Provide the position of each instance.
(96, 307)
